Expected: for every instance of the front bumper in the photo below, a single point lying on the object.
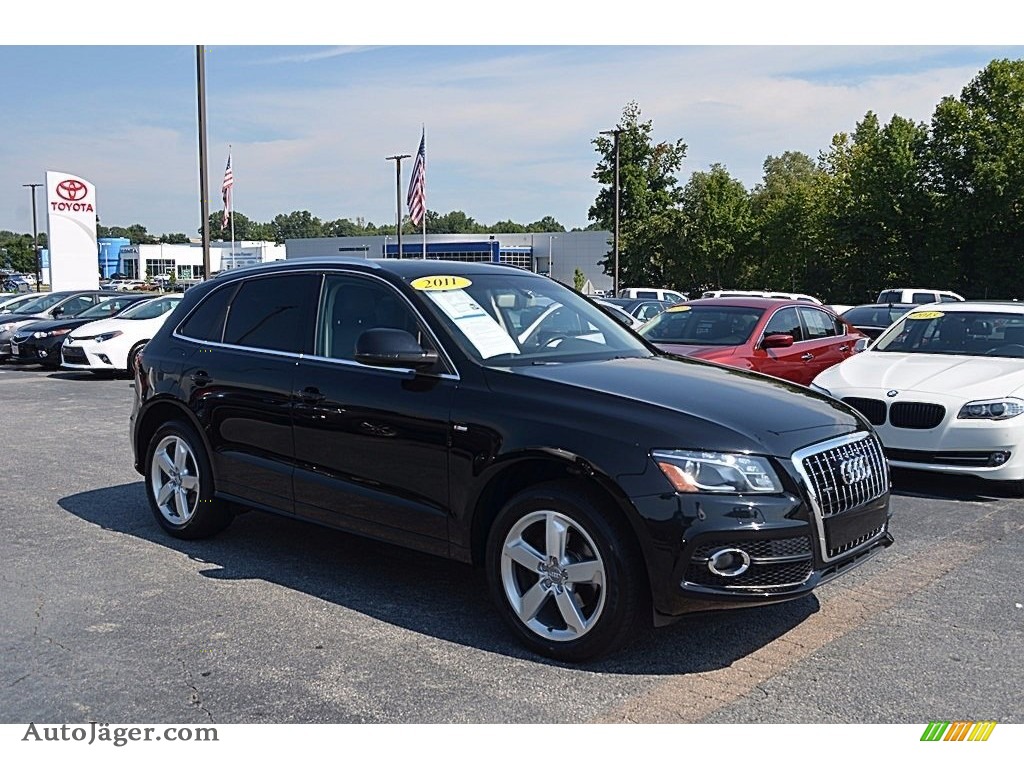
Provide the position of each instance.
(707, 551)
(952, 446)
(86, 355)
(42, 351)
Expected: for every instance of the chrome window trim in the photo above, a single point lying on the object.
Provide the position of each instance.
(801, 455)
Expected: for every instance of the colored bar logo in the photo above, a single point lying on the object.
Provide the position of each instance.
(958, 730)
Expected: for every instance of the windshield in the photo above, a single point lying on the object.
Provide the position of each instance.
(933, 332)
(147, 310)
(106, 308)
(512, 319)
(879, 317)
(42, 304)
(703, 326)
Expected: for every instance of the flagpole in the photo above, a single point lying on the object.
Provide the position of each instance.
(234, 260)
(424, 139)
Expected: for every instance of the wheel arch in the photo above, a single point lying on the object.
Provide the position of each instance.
(535, 469)
(157, 412)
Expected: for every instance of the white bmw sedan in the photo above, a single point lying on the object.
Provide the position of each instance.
(944, 387)
(111, 344)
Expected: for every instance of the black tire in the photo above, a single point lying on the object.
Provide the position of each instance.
(130, 370)
(536, 595)
(179, 484)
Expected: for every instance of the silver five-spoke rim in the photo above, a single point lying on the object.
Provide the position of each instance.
(174, 479)
(553, 575)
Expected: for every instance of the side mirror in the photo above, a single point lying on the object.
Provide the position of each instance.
(57, 312)
(393, 348)
(777, 340)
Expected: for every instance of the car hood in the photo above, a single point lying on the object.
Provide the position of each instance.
(49, 325)
(936, 374)
(107, 324)
(655, 396)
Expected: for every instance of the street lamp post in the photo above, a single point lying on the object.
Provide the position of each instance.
(35, 236)
(615, 235)
(398, 198)
(204, 184)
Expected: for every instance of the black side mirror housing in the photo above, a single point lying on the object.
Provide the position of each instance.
(393, 348)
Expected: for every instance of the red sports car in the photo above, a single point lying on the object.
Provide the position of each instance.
(793, 340)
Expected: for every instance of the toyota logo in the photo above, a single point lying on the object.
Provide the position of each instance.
(855, 470)
(71, 189)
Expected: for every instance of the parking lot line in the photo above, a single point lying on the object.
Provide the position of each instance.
(692, 698)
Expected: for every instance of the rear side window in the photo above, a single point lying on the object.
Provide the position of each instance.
(923, 298)
(206, 322)
(273, 313)
(646, 294)
(819, 325)
(948, 297)
(890, 297)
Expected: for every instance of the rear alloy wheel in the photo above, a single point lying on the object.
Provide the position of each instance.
(563, 574)
(179, 484)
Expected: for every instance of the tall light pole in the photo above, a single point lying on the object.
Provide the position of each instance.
(35, 238)
(398, 198)
(204, 185)
(615, 235)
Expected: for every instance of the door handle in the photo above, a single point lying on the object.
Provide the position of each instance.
(200, 378)
(844, 348)
(807, 356)
(310, 395)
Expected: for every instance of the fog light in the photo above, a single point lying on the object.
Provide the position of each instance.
(105, 359)
(42, 353)
(728, 562)
(997, 458)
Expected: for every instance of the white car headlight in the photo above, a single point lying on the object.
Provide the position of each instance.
(995, 410)
(822, 390)
(709, 472)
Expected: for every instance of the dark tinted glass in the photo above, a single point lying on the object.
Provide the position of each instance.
(273, 313)
(353, 305)
(819, 324)
(206, 322)
(785, 322)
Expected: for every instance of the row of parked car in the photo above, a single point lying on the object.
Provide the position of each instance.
(99, 331)
(940, 378)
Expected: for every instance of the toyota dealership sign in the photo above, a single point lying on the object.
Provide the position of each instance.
(71, 207)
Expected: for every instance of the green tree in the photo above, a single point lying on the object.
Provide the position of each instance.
(547, 224)
(649, 194)
(298, 224)
(578, 279)
(975, 151)
(16, 252)
(174, 238)
(787, 224)
(712, 242)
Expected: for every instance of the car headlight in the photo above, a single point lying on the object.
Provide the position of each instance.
(8, 327)
(107, 336)
(995, 410)
(48, 334)
(822, 390)
(709, 472)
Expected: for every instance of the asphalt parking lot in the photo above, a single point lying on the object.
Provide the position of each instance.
(104, 617)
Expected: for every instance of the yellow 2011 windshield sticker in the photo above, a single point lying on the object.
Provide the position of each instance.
(679, 308)
(928, 315)
(440, 283)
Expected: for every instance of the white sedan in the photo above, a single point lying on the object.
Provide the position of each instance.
(111, 344)
(944, 388)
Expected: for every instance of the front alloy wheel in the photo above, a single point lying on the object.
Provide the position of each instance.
(565, 571)
(553, 575)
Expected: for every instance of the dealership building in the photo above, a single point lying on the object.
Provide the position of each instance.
(559, 254)
(184, 260)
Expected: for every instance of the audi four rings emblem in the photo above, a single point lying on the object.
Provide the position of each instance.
(891, 393)
(71, 190)
(855, 470)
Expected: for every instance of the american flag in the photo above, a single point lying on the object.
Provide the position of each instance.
(417, 197)
(225, 191)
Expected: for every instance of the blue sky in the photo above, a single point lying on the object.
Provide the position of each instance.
(509, 127)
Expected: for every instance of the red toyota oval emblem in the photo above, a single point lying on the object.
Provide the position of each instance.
(71, 189)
